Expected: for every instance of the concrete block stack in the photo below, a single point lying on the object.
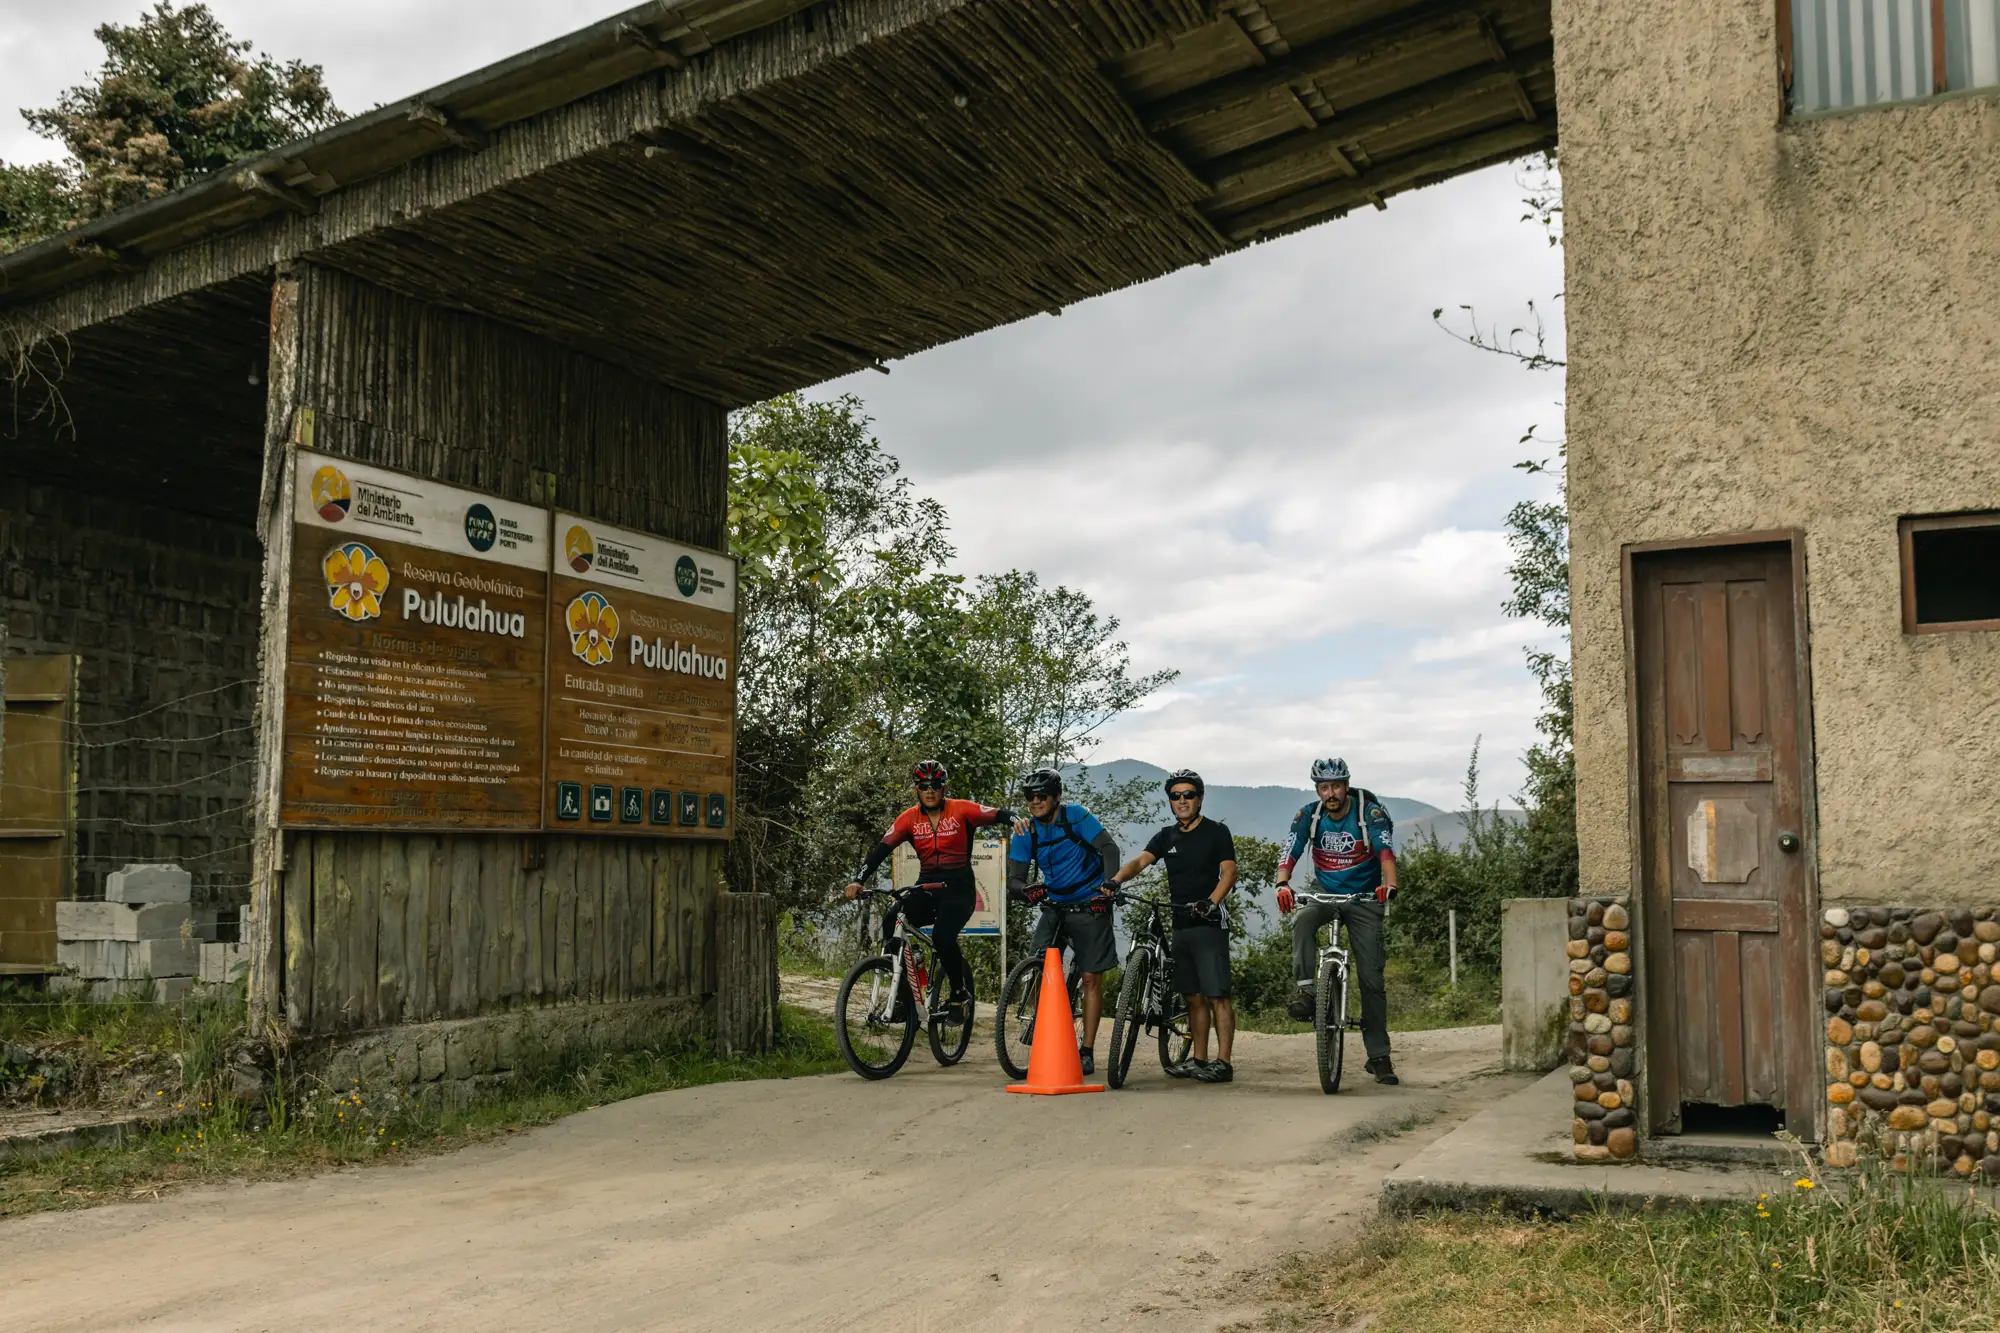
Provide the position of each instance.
(145, 929)
(223, 964)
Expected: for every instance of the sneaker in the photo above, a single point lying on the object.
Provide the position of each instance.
(1188, 1068)
(1301, 1007)
(1089, 1059)
(1383, 1071)
(1215, 1071)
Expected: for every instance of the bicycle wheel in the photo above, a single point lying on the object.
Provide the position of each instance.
(1330, 1025)
(1014, 1016)
(948, 1043)
(874, 1027)
(1176, 1036)
(1131, 1015)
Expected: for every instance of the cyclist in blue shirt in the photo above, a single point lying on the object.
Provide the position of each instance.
(1077, 859)
(1353, 853)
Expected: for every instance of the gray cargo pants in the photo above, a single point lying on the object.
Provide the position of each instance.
(1368, 950)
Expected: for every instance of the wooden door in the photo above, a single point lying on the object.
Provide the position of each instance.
(37, 807)
(1729, 944)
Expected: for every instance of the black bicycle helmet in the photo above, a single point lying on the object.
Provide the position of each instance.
(928, 770)
(1185, 776)
(1042, 782)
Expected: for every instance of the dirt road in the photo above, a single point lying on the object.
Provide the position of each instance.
(932, 1201)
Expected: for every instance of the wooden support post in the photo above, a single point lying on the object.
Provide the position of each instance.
(746, 996)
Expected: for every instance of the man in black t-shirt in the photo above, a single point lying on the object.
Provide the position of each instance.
(1200, 857)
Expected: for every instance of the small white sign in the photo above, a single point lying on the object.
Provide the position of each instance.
(989, 882)
(348, 497)
(619, 557)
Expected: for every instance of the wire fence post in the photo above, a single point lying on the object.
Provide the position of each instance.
(1451, 926)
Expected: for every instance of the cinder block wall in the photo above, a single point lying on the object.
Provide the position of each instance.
(161, 606)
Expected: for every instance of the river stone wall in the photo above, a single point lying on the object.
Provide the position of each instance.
(1913, 1037)
(1603, 1032)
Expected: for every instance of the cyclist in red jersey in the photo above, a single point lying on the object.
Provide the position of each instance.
(940, 829)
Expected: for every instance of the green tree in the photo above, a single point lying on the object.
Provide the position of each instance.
(862, 653)
(176, 99)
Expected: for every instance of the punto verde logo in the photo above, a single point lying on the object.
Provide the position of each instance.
(686, 577)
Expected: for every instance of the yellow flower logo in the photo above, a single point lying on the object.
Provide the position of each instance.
(356, 578)
(330, 495)
(580, 549)
(593, 628)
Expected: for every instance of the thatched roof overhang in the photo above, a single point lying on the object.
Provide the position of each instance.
(740, 197)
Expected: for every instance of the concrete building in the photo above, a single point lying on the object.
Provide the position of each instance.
(1783, 236)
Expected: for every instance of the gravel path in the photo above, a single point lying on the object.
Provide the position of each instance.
(933, 1200)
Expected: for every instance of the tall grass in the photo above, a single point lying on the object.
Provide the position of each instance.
(1880, 1253)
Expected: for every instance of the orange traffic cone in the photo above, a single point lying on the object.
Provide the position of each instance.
(1054, 1067)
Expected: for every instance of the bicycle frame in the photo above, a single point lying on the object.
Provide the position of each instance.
(900, 940)
(1331, 949)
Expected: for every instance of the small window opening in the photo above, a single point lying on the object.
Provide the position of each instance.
(1951, 573)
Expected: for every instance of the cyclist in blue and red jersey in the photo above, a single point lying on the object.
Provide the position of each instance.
(940, 829)
(1353, 853)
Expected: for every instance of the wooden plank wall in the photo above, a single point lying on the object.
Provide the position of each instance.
(394, 928)
(370, 930)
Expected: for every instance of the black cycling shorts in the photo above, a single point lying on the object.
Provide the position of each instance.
(1201, 961)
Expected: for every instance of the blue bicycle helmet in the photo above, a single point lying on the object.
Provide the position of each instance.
(1330, 770)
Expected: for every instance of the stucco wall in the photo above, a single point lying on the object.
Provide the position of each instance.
(1784, 324)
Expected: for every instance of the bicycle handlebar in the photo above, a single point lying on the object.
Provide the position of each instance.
(1333, 898)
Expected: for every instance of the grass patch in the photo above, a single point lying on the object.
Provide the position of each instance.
(303, 1126)
(1420, 1000)
(1889, 1256)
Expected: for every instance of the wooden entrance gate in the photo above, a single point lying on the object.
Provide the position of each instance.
(1724, 890)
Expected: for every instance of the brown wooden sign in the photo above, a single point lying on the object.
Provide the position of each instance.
(642, 685)
(417, 645)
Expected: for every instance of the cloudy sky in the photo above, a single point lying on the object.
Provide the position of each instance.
(1275, 471)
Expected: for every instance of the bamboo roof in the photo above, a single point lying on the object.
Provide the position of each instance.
(742, 197)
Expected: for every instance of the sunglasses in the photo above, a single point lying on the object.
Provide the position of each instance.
(930, 786)
(1181, 795)
(1040, 796)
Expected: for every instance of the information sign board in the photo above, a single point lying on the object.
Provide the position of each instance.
(641, 685)
(417, 642)
(989, 881)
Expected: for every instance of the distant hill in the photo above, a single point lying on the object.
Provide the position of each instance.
(1266, 812)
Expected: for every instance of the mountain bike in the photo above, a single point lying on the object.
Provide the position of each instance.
(876, 1012)
(1020, 997)
(1147, 997)
(1330, 1020)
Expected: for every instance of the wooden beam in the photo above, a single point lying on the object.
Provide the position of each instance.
(1501, 57)
(446, 126)
(125, 261)
(638, 36)
(1421, 26)
(1295, 154)
(1336, 197)
(258, 182)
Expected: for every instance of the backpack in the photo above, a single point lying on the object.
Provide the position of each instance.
(1317, 809)
(1068, 831)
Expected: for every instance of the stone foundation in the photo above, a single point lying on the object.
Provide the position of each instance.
(1603, 1033)
(457, 1056)
(1913, 1037)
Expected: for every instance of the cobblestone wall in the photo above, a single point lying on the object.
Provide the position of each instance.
(162, 608)
(1913, 1054)
(1603, 1032)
